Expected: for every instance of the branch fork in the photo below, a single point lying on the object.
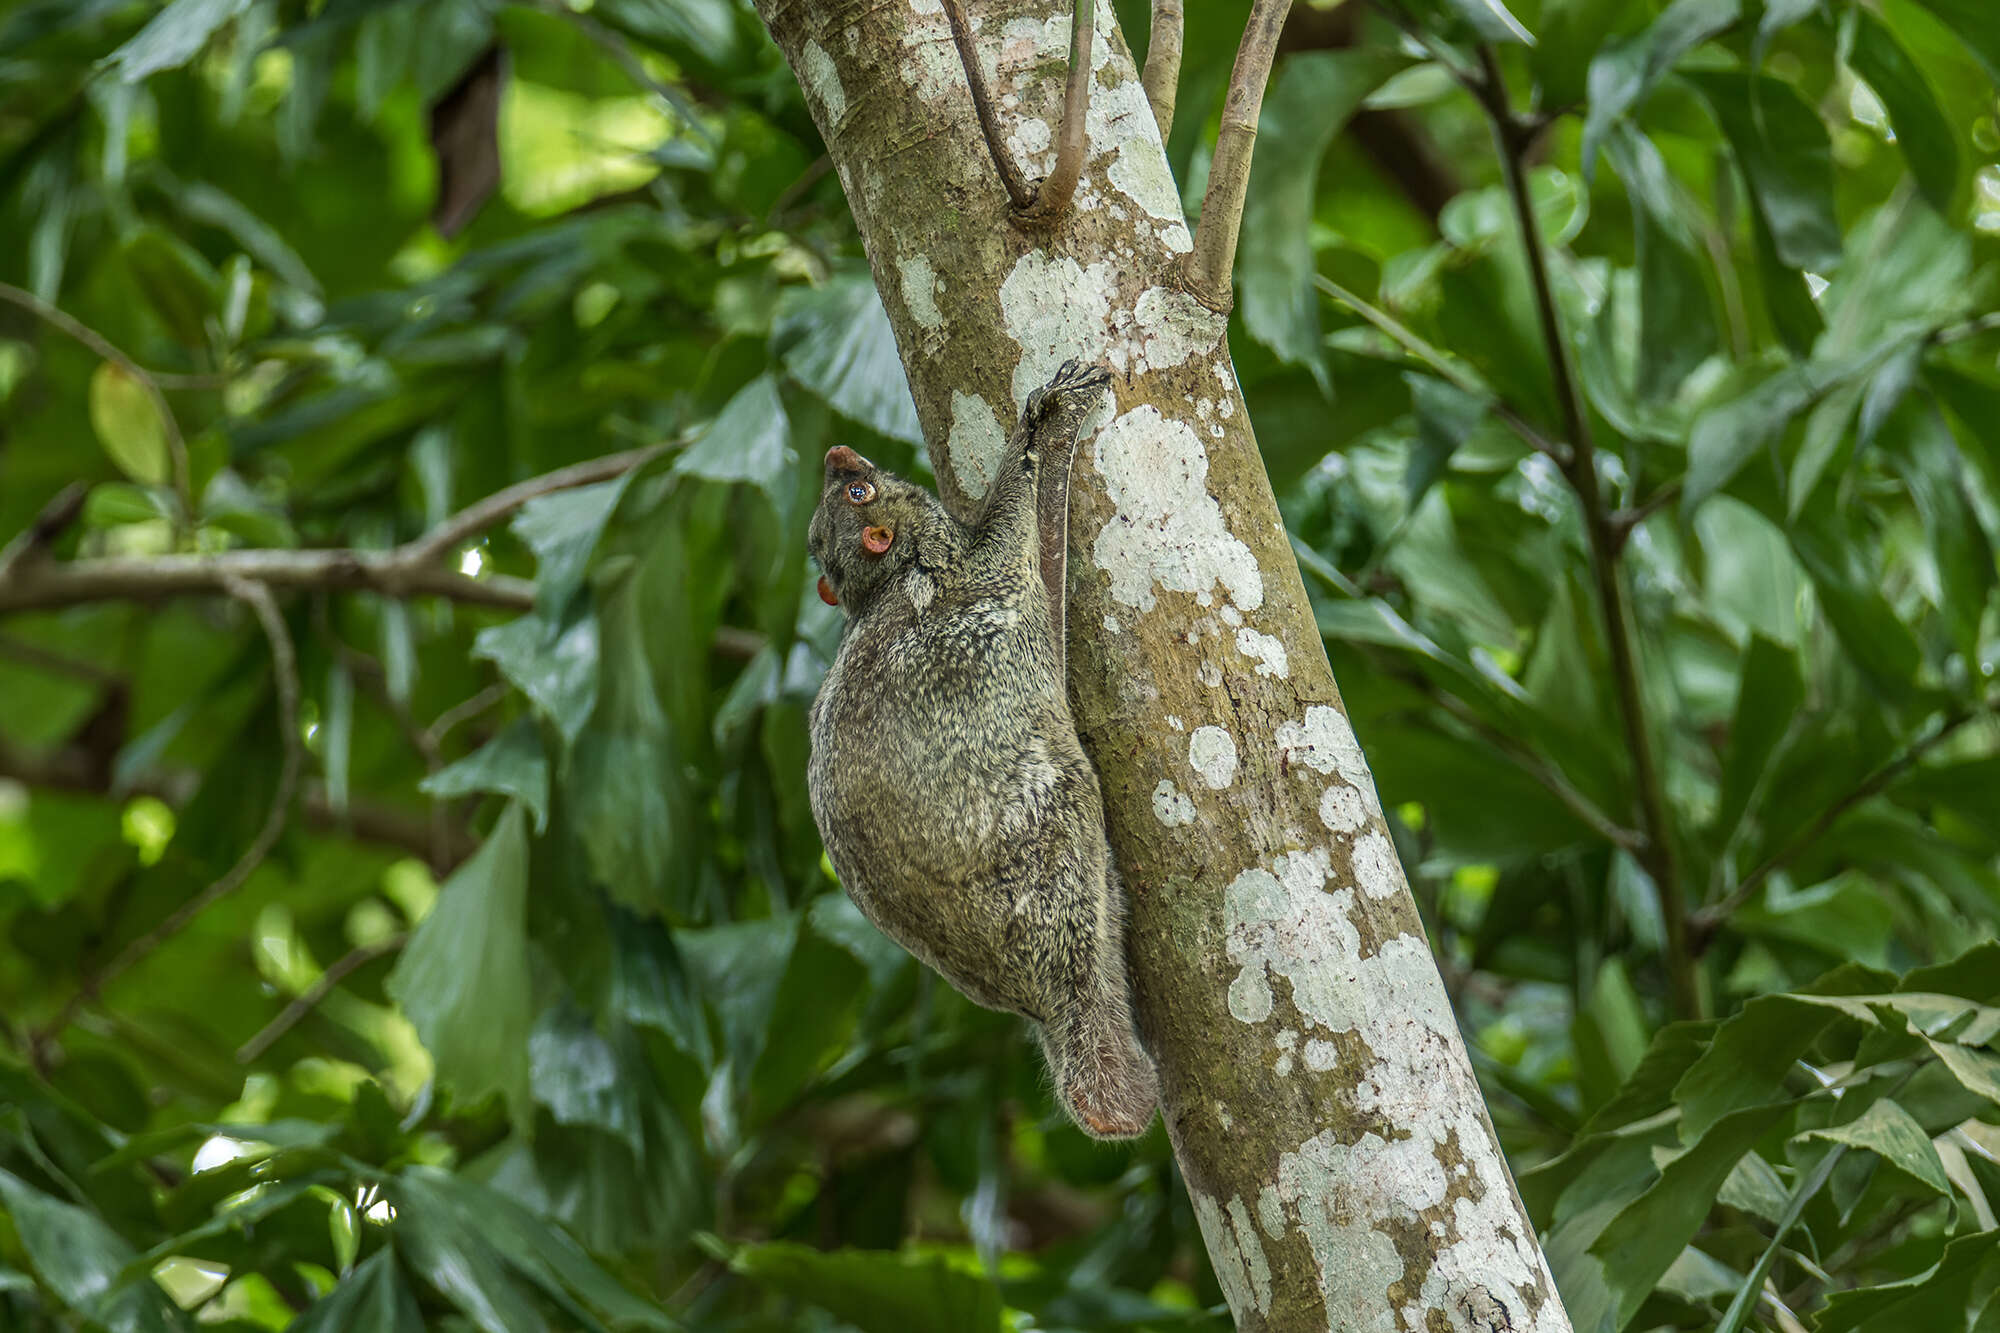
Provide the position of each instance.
(1042, 202)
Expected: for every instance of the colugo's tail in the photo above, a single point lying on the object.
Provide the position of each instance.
(1103, 1079)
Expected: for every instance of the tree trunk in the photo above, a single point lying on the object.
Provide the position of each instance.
(1316, 1091)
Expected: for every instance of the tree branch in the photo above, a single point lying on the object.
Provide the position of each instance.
(309, 999)
(409, 570)
(1657, 856)
(1162, 76)
(285, 680)
(176, 446)
(1214, 256)
(1047, 200)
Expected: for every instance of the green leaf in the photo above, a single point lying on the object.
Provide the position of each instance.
(128, 425)
(1623, 75)
(749, 441)
(179, 284)
(1606, 1277)
(1787, 159)
(1731, 433)
(1313, 95)
(453, 1255)
(1677, 327)
(576, 1074)
(557, 669)
(836, 340)
(1446, 417)
(1934, 1299)
(812, 1018)
(463, 980)
(1894, 1135)
(74, 1252)
(1977, 24)
(874, 1291)
(374, 1296)
(532, 1247)
(1492, 20)
(1568, 36)
(173, 37)
(1769, 693)
(1922, 132)
(511, 764)
(563, 529)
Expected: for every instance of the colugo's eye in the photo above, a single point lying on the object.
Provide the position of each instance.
(860, 492)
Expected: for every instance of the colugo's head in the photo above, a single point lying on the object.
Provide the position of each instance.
(865, 528)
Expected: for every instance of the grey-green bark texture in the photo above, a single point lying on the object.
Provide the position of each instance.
(1316, 1090)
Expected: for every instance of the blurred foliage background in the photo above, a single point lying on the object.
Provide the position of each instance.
(520, 995)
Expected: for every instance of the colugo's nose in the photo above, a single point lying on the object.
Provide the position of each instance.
(840, 458)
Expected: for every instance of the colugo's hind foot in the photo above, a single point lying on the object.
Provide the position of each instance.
(1072, 378)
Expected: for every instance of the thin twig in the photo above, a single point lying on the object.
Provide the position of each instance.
(40, 658)
(1657, 856)
(1214, 256)
(1970, 328)
(477, 517)
(44, 528)
(1623, 521)
(1709, 918)
(1442, 366)
(1162, 77)
(463, 710)
(177, 452)
(1052, 196)
(1011, 179)
(309, 999)
(285, 681)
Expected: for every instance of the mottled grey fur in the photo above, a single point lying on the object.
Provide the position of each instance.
(947, 779)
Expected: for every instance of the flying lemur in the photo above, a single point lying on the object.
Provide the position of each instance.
(946, 776)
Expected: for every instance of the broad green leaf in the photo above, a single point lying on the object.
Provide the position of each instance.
(1782, 146)
(74, 1252)
(1959, 551)
(1608, 1275)
(1623, 75)
(1729, 434)
(463, 979)
(177, 282)
(1853, 601)
(128, 426)
(557, 669)
(1751, 1052)
(1934, 1299)
(542, 1253)
(1568, 36)
(454, 1256)
(1976, 23)
(1922, 132)
(1446, 416)
(563, 529)
(1492, 20)
(874, 1291)
(1891, 1133)
(1677, 328)
(1312, 96)
(1769, 694)
(374, 1296)
(649, 984)
(576, 1074)
(812, 1018)
(835, 339)
(173, 36)
(511, 764)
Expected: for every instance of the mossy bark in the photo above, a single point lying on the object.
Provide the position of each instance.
(1316, 1090)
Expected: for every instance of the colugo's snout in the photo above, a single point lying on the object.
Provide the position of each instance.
(841, 460)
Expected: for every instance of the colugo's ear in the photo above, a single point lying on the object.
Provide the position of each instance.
(826, 592)
(876, 541)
